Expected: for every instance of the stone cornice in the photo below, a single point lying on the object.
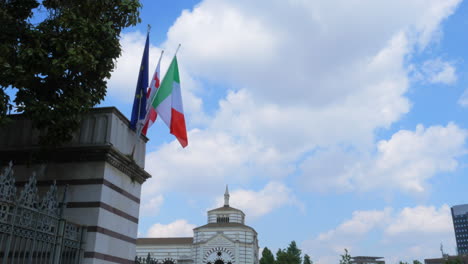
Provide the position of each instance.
(106, 153)
(96, 110)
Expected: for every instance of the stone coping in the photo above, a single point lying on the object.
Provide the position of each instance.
(106, 153)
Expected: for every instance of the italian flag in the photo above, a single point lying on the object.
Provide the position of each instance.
(168, 103)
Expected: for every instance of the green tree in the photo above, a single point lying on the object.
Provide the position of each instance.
(56, 55)
(267, 257)
(454, 261)
(291, 255)
(416, 261)
(346, 258)
(307, 259)
(281, 257)
(294, 253)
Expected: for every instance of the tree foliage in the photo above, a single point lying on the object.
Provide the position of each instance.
(57, 68)
(454, 261)
(267, 257)
(345, 258)
(307, 259)
(280, 256)
(290, 255)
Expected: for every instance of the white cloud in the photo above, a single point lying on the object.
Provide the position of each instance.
(298, 77)
(178, 228)
(259, 203)
(300, 51)
(463, 101)
(212, 159)
(305, 87)
(411, 233)
(437, 71)
(413, 157)
(406, 161)
(124, 77)
(151, 205)
(360, 224)
(421, 219)
(327, 246)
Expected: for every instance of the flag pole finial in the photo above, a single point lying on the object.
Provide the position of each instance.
(177, 50)
(149, 28)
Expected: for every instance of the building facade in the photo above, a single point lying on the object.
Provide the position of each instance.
(444, 260)
(367, 260)
(225, 239)
(460, 225)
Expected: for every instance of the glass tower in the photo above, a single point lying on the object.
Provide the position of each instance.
(460, 224)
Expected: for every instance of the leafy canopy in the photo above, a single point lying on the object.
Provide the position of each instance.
(307, 259)
(456, 260)
(345, 258)
(57, 68)
(267, 257)
(291, 255)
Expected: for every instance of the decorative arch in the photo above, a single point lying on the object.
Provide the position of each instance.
(218, 255)
(169, 261)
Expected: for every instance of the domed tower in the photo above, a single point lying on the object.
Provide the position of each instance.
(225, 239)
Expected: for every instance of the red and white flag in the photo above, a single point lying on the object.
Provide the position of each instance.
(150, 94)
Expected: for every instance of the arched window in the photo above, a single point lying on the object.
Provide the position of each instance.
(222, 219)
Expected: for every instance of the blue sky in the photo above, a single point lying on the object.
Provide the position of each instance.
(337, 124)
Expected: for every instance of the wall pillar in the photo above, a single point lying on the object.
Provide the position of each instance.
(104, 180)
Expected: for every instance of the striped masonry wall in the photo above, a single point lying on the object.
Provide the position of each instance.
(104, 183)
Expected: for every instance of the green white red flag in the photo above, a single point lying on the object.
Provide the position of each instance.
(168, 103)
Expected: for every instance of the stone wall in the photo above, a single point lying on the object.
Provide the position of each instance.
(104, 179)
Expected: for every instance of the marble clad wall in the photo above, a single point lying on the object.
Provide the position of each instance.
(104, 181)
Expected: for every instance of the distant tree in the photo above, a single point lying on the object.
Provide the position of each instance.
(290, 255)
(346, 258)
(307, 259)
(454, 261)
(416, 261)
(281, 257)
(294, 253)
(267, 257)
(56, 57)
(401, 262)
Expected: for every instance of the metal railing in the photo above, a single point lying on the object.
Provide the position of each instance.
(149, 260)
(32, 230)
(146, 260)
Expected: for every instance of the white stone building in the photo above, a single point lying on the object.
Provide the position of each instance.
(224, 240)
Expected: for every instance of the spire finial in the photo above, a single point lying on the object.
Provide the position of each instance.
(226, 196)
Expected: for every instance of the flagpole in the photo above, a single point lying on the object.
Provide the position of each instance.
(138, 124)
(162, 52)
(154, 96)
(138, 131)
(141, 95)
(177, 50)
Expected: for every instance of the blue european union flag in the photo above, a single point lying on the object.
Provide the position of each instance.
(139, 103)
